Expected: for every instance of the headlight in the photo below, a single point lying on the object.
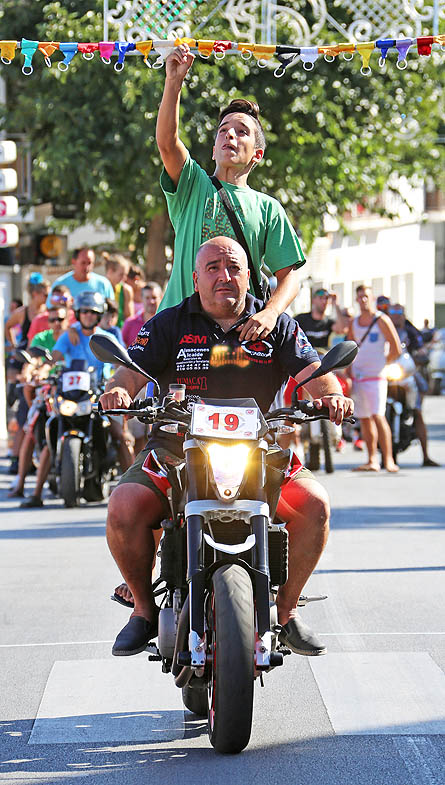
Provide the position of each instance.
(228, 465)
(69, 408)
(394, 372)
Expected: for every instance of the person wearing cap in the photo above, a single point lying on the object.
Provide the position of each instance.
(37, 290)
(82, 278)
(75, 344)
(383, 303)
(317, 326)
(198, 213)
(88, 309)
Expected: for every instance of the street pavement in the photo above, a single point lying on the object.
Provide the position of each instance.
(371, 711)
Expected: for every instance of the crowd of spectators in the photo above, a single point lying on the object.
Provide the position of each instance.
(50, 320)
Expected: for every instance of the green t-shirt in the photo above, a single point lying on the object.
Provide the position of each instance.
(45, 340)
(197, 214)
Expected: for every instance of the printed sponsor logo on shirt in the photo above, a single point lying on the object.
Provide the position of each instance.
(141, 340)
(302, 342)
(258, 349)
(193, 382)
(193, 339)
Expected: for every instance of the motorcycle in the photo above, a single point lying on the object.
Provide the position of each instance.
(83, 456)
(223, 555)
(436, 367)
(401, 401)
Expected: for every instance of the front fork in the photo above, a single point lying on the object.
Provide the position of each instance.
(265, 657)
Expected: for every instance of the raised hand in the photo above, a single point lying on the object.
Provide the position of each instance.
(178, 63)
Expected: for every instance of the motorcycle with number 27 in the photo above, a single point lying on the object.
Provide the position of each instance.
(223, 554)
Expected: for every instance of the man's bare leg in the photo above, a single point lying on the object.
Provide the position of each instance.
(25, 457)
(305, 504)
(133, 511)
(385, 442)
(122, 590)
(42, 471)
(369, 434)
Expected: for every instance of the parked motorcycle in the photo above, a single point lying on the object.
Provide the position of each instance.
(436, 366)
(84, 457)
(401, 402)
(223, 555)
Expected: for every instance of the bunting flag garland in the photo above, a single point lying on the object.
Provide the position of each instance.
(286, 54)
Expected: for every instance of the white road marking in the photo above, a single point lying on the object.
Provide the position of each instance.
(57, 643)
(93, 643)
(115, 700)
(389, 693)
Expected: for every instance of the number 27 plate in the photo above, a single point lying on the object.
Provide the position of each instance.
(224, 422)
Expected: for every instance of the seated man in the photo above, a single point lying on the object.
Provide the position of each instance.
(215, 314)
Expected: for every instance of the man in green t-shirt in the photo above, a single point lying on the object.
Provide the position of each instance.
(197, 212)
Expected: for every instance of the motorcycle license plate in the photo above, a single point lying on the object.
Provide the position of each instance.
(76, 380)
(224, 422)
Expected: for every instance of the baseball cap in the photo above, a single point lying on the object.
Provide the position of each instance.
(320, 292)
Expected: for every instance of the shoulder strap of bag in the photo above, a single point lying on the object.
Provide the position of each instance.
(233, 218)
(368, 331)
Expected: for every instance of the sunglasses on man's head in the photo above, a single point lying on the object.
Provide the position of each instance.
(396, 310)
(56, 319)
(321, 293)
(59, 298)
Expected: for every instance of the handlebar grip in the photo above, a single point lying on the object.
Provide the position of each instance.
(307, 407)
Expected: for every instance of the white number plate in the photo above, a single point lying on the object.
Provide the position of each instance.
(224, 422)
(76, 380)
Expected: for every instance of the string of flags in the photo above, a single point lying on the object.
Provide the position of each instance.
(262, 53)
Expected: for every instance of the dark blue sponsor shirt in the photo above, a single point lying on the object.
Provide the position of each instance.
(183, 345)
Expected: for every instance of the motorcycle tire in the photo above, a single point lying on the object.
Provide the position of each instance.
(437, 386)
(327, 446)
(96, 490)
(71, 472)
(231, 622)
(313, 457)
(195, 700)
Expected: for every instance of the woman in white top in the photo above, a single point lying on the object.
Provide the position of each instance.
(378, 345)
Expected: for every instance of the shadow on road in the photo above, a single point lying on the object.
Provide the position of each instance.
(332, 759)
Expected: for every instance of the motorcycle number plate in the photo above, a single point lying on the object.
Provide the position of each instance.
(76, 380)
(224, 422)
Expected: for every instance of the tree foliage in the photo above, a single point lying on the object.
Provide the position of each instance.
(334, 136)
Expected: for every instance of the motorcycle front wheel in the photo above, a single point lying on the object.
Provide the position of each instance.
(230, 687)
(71, 472)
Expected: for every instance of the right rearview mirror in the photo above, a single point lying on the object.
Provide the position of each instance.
(340, 356)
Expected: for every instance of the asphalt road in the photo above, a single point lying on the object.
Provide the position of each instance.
(372, 711)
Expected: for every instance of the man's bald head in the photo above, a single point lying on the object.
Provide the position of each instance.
(218, 247)
(221, 275)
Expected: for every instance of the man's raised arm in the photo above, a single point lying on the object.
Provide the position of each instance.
(173, 151)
